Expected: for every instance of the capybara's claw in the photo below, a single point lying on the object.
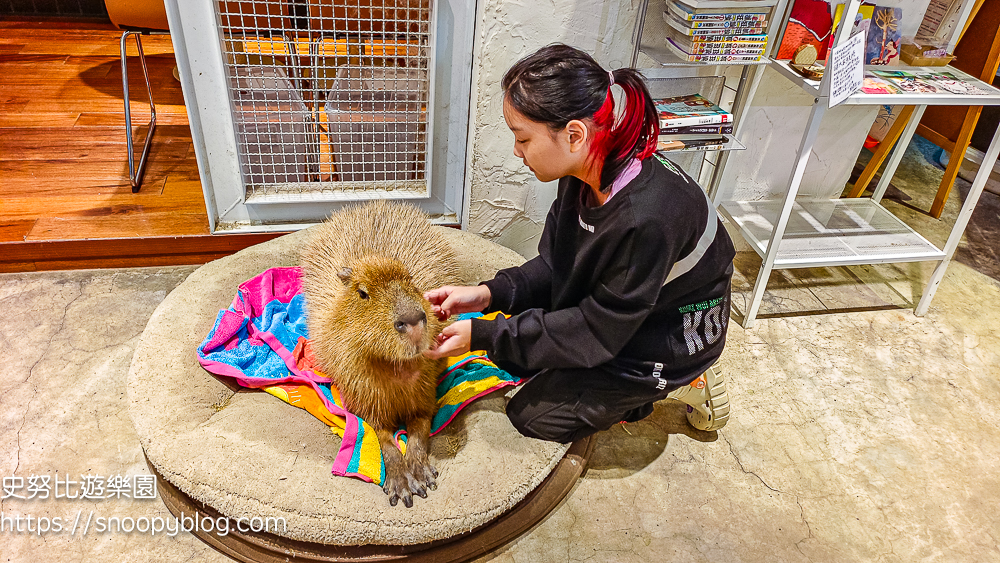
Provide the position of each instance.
(396, 488)
(430, 474)
(421, 476)
(416, 486)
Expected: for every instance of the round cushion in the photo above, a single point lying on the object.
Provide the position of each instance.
(247, 454)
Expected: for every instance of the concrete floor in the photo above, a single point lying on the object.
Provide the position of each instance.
(864, 436)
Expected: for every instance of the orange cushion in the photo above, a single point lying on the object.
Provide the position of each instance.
(145, 14)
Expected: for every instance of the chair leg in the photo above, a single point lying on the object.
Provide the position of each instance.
(881, 152)
(955, 161)
(136, 172)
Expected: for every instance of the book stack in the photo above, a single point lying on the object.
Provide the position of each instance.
(692, 122)
(717, 31)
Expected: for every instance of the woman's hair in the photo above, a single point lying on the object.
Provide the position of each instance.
(558, 84)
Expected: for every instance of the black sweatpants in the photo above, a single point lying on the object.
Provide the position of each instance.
(564, 405)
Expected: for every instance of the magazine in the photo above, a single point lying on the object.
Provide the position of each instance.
(717, 14)
(950, 83)
(922, 81)
(692, 109)
(905, 81)
(876, 85)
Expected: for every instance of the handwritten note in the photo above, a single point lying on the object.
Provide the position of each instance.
(846, 68)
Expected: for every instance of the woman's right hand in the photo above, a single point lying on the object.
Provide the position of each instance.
(457, 299)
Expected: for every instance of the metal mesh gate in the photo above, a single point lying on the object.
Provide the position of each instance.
(330, 96)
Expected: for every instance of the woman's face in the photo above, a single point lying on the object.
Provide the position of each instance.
(549, 154)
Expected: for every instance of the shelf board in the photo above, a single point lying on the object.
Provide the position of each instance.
(665, 57)
(731, 144)
(835, 232)
(812, 87)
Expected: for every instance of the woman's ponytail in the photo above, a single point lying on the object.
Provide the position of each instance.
(633, 134)
(558, 84)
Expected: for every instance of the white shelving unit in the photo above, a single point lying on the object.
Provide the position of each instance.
(839, 232)
(649, 37)
(836, 232)
(730, 144)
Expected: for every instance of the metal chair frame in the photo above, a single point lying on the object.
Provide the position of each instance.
(136, 173)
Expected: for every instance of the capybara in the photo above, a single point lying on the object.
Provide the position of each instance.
(365, 270)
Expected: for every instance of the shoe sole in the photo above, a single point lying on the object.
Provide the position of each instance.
(713, 414)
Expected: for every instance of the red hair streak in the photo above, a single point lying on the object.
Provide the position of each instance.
(613, 142)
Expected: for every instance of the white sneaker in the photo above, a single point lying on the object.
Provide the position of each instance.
(706, 399)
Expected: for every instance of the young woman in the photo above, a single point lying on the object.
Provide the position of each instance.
(628, 298)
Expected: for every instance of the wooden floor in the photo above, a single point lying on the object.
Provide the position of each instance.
(65, 197)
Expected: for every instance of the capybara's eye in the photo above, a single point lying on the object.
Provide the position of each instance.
(362, 293)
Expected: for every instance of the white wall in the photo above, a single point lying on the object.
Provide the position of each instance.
(506, 202)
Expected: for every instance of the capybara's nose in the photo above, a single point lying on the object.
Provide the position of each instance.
(410, 320)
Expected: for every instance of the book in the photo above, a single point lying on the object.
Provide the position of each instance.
(690, 145)
(684, 28)
(882, 46)
(723, 129)
(939, 21)
(717, 14)
(726, 4)
(719, 48)
(689, 40)
(862, 21)
(691, 138)
(734, 26)
(692, 109)
(735, 54)
(716, 19)
(696, 45)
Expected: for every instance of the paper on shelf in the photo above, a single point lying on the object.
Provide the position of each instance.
(846, 68)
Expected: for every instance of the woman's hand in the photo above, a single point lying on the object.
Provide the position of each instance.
(454, 340)
(457, 299)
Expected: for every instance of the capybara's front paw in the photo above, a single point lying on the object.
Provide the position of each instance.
(396, 485)
(418, 476)
(421, 476)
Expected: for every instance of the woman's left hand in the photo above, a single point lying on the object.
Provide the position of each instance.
(454, 340)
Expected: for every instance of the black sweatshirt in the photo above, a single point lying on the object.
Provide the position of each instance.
(595, 293)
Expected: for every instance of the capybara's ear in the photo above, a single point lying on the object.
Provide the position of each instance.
(345, 276)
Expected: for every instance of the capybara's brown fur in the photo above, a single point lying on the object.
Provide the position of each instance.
(364, 272)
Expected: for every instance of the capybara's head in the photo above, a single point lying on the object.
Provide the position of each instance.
(381, 313)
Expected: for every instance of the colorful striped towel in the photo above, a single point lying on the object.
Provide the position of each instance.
(261, 340)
